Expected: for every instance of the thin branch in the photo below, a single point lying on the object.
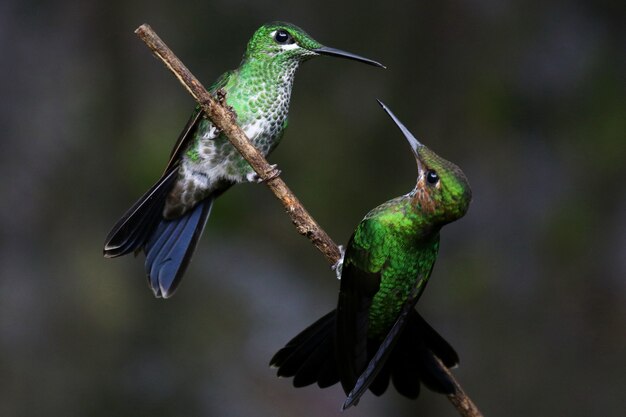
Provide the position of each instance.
(224, 119)
(463, 403)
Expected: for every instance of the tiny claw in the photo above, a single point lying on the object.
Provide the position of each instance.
(274, 172)
(220, 95)
(253, 177)
(338, 266)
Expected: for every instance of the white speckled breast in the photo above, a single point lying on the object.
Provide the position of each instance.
(211, 160)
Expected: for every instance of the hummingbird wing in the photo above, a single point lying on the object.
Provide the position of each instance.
(185, 135)
(359, 284)
(131, 232)
(377, 363)
(190, 128)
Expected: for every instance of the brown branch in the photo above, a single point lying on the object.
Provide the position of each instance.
(459, 398)
(305, 224)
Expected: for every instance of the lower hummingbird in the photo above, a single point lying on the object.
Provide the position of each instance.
(167, 221)
(375, 334)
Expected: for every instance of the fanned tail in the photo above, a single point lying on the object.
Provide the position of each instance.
(168, 244)
(411, 361)
(310, 358)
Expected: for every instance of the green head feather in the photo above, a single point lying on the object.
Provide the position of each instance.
(281, 39)
(290, 43)
(442, 193)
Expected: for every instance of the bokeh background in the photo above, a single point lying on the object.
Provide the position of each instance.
(528, 97)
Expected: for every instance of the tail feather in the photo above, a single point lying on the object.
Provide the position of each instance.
(158, 240)
(133, 229)
(406, 376)
(329, 372)
(307, 354)
(433, 341)
(145, 229)
(168, 243)
(171, 246)
(309, 357)
(323, 357)
(413, 359)
(433, 376)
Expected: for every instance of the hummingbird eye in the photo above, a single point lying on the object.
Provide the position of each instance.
(283, 37)
(431, 177)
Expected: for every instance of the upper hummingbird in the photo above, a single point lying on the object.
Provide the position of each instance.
(375, 333)
(169, 218)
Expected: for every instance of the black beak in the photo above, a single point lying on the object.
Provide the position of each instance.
(415, 144)
(324, 50)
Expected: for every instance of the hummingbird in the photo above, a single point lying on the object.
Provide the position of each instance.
(167, 221)
(375, 334)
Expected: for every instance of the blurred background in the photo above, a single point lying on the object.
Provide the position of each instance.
(527, 97)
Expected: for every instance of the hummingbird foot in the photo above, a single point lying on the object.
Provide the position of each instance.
(220, 95)
(274, 172)
(338, 266)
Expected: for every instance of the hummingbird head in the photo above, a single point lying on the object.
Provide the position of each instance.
(289, 42)
(442, 190)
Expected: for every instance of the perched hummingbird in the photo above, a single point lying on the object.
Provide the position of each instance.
(375, 333)
(168, 220)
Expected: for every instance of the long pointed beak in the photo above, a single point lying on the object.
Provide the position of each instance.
(325, 50)
(415, 144)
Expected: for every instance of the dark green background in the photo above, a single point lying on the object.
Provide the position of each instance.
(527, 97)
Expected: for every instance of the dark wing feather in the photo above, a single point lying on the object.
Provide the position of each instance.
(186, 135)
(378, 361)
(188, 131)
(358, 287)
(132, 231)
(381, 382)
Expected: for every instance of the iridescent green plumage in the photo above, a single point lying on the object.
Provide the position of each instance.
(169, 219)
(388, 236)
(375, 334)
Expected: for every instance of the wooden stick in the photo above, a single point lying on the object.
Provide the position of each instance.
(224, 119)
(463, 403)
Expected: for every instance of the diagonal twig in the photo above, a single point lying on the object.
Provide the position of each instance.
(224, 120)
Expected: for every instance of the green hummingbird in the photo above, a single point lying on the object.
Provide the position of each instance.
(167, 221)
(375, 334)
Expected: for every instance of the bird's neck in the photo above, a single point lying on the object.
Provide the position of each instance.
(267, 83)
(409, 218)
